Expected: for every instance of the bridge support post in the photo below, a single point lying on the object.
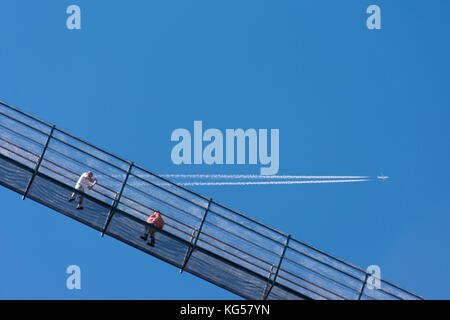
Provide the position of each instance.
(363, 286)
(38, 164)
(268, 281)
(267, 292)
(193, 243)
(116, 201)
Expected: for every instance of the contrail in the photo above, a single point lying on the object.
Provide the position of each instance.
(246, 183)
(247, 176)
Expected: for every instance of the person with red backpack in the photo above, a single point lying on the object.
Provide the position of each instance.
(157, 221)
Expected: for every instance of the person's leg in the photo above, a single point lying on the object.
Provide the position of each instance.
(72, 197)
(80, 203)
(152, 238)
(145, 236)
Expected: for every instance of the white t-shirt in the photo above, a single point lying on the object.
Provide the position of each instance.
(83, 181)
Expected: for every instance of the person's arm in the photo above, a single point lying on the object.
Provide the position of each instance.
(94, 182)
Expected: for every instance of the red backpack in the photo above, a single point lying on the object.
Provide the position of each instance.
(156, 219)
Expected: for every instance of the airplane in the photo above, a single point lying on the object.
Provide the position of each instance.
(382, 177)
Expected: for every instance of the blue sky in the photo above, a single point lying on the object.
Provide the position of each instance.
(347, 101)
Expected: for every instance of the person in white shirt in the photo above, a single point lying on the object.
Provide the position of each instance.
(85, 181)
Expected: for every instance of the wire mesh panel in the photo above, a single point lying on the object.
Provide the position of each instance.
(324, 277)
(56, 195)
(280, 292)
(67, 158)
(241, 240)
(200, 236)
(145, 193)
(14, 175)
(129, 229)
(227, 275)
(19, 140)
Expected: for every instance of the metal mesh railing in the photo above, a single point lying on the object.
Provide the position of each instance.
(201, 236)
